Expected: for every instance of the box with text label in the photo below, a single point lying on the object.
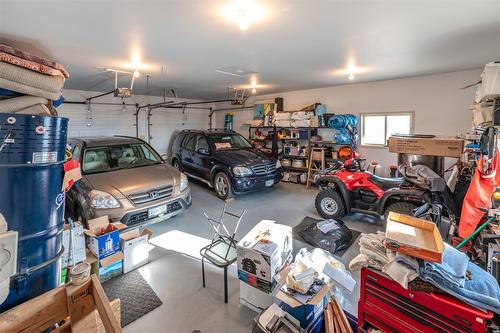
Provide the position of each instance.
(262, 253)
(104, 237)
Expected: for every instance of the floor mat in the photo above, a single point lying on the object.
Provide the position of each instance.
(136, 296)
(309, 220)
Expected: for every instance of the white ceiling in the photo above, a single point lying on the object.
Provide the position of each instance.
(298, 45)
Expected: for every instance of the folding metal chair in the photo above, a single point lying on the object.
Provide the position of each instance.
(221, 252)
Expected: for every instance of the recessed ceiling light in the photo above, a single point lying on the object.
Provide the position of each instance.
(244, 12)
(352, 69)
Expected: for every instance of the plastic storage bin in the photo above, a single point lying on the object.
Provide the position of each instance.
(490, 87)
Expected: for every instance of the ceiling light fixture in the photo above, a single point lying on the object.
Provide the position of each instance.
(244, 12)
(352, 69)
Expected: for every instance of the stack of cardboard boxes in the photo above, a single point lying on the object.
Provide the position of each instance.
(111, 251)
(262, 253)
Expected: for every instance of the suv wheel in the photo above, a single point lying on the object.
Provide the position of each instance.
(222, 186)
(176, 164)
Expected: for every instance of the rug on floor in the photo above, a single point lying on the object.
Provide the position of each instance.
(136, 296)
(307, 221)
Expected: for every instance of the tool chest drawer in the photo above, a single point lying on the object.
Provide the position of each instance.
(388, 306)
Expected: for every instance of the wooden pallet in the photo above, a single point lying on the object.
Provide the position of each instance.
(68, 308)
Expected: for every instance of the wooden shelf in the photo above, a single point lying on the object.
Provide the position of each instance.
(293, 168)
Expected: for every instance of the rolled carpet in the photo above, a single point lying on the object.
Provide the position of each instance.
(32, 79)
(15, 104)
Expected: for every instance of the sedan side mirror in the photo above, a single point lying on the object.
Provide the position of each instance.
(203, 151)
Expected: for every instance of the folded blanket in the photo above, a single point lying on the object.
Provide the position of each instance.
(480, 288)
(28, 64)
(8, 93)
(302, 115)
(28, 90)
(452, 269)
(15, 104)
(38, 109)
(28, 56)
(301, 123)
(282, 116)
(30, 78)
(282, 123)
(400, 273)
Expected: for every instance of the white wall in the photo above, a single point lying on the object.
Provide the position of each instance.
(111, 120)
(440, 106)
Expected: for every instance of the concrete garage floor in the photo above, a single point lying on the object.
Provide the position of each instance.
(174, 271)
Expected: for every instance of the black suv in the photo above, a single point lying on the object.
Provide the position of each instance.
(225, 160)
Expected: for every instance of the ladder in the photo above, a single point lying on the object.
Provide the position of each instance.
(316, 163)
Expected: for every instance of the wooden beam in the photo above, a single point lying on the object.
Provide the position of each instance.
(102, 304)
(36, 315)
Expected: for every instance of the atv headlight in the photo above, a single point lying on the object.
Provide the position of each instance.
(184, 182)
(102, 200)
(242, 171)
(278, 164)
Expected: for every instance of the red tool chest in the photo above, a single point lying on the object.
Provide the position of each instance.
(385, 305)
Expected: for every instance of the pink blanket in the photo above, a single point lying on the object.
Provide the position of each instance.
(5, 49)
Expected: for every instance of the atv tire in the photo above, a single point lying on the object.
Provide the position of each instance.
(330, 204)
(401, 207)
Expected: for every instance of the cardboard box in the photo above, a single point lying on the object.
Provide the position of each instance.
(307, 314)
(106, 268)
(253, 298)
(415, 237)
(106, 244)
(78, 245)
(438, 146)
(135, 248)
(262, 253)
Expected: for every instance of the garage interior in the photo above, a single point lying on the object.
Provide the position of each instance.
(249, 166)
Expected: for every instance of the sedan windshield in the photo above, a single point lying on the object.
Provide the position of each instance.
(229, 141)
(117, 157)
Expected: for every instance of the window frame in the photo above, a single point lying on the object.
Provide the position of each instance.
(385, 115)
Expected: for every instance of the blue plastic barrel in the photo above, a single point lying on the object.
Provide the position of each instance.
(32, 153)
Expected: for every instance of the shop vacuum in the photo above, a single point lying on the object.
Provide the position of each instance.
(32, 153)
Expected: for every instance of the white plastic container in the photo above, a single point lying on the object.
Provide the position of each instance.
(490, 87)
(253, 298)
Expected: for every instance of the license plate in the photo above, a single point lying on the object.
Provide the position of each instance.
(155, 211)
(269, 182)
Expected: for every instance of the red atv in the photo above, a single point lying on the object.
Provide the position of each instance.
(348, 188)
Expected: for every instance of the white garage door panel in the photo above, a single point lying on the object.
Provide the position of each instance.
(167, 123)
(106, 120)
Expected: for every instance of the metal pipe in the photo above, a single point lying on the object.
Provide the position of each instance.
(137, 110)
(100, 95)
(99, 103)
(186, 103)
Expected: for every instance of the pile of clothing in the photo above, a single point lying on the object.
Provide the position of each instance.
(373, 253)
(455, 275)
(29, 84)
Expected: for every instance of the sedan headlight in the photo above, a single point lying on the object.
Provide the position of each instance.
(278, 164)
(242, 171)
(102, 200)
(184, 182)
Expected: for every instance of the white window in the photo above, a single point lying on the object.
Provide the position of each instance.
(376, 128)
